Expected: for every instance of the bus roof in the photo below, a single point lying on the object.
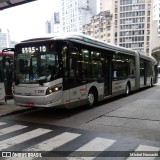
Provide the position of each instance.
(150, 58)
(81, 38)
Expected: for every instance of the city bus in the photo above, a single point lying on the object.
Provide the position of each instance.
(71, 70)
(6, 72)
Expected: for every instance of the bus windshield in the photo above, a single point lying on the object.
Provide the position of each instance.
(37, 67)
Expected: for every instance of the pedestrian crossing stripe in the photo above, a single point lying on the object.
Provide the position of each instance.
(22, 138)
(11, 129)
(54, 142)
(145, 148)
(97, 144)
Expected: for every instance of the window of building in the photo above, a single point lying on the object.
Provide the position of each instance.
(116, 10)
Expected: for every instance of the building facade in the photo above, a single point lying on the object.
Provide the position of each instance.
(155, 41)
(13, 43)
(106, 5)
(4, 39)
(53, 25)
(156, 14)
(100, 27)
(76, 13)
(132, 24)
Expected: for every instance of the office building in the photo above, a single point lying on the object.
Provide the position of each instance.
(156, 14)
(13, 43)
(76, 13)
(100, 27)
(4, 38)
(132, 24)
(53, 25)
(106, 5)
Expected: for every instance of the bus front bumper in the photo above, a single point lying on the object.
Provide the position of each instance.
(51, 100)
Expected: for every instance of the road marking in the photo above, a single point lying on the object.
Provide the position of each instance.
(144, 148)
(2, 123)
(54, 142)
(22, 138)
(11, 129)
(97, 144)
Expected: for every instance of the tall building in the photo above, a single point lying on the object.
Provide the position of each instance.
(4, 38)
(53, 25)
(48, 26)
(13, 43)
(156, 14)
(155, 45)
(106, 5)
(76, 13)
(100, 27)
(132, 24)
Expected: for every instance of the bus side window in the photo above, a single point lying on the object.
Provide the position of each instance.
(96, 65)
(73, 62)
(64, 55)
(85, 63)
(64, 59)
(123, 66)
(71, 68)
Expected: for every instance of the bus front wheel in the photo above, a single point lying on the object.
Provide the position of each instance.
(92, 98)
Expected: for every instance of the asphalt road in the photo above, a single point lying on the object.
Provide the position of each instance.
(120, 124)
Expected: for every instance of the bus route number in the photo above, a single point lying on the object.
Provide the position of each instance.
(34, 49)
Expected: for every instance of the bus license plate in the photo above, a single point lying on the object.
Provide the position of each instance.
(30, 104)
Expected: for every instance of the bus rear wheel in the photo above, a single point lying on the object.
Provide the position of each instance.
(151, 83)
(127, 92)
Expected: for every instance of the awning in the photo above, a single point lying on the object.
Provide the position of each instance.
(4, 4)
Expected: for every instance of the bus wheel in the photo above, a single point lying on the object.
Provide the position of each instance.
(91, 98)
(127, 92)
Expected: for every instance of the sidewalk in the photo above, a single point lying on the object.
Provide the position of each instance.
(10, 108)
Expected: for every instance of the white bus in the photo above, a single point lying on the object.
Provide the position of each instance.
(70, 70)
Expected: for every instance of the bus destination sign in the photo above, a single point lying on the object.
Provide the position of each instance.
(34, 49)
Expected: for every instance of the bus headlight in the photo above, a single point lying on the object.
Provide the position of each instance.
(54, 89)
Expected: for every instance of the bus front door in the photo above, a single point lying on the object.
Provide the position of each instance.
(107, 76)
